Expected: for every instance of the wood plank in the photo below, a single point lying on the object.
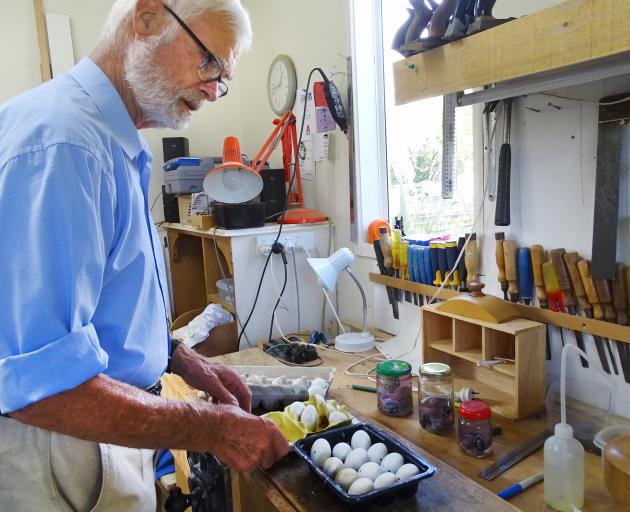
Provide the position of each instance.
(567, 34)
(186, 262)
(573, 322)
(42, 41)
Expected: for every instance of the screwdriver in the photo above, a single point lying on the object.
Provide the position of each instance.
(386, 248)
(525, 274)
(395, 243)
(498, 253)
(620, 301)
(451, 258)
(538, 258)
(411, 267)
(564, 281)
(435, 266)
(461, 266)
(404, 265)
(584, 268)
(605, 299)
(571, 260)
(471, 256)
(510, 255)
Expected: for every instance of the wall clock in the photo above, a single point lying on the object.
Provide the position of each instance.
(281, 84)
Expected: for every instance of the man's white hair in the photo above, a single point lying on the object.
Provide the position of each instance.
(237, 18)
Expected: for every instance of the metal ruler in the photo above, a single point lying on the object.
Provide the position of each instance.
(448, 145)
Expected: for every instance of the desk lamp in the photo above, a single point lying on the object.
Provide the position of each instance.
(328, 269)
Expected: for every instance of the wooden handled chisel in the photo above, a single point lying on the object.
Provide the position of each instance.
(386, 249)
(461, 266)
(538, 258)
(605, 299)
(500, 258)
(552, 288)
(620, 301)
(471, 257)
(525, 274)
(571, 260)
(510, 254)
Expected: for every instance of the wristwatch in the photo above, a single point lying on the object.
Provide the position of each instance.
(174, 345)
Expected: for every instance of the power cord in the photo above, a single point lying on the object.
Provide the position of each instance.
(278, 248)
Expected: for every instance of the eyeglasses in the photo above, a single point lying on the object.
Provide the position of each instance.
(210, 69)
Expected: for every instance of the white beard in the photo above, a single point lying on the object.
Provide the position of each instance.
(151, 88)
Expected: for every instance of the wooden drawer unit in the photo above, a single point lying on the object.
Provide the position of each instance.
(514, 391)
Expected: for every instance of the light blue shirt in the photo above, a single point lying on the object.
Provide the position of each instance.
(82, 287)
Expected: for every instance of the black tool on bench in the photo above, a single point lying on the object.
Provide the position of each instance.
(613, 115)
(502, 212)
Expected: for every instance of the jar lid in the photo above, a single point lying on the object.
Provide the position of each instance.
(475, 410)
(435, 369)
(393, 368)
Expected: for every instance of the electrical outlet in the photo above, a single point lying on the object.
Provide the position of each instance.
(290, 241)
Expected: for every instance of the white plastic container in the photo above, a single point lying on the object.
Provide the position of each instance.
(564, 470)
(226, 290)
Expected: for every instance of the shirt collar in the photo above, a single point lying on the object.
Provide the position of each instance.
(109, 103)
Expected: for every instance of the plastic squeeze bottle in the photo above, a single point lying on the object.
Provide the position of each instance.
(564, 470)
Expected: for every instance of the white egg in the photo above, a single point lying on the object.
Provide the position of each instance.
(345, 477)
(315, 390)
(341, 450)
(302, 381)
(319, 399)
(407, 471)
(356, 458)
(297, 408)
(254, 379)
(320, 383)
(361, 439)
(377, 452)
(361, 486)
(331, 408)
(280, 381)
(309, 417)
(370, 470)
(320, 451)
(336, 417)
(392, 462)
(332, 465)
(384, 480)
(265, 381)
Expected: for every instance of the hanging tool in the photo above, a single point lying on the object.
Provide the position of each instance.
(500, 257)
(538, 258)
(571, 260)
(510, 255)
(612, 118)
(525, 274)
(584, 267)
(605, 299)
(399, 224)
(395, 241)
(451, 258)
(380, 260)
(439, 20)
(404, 265)
(620, 301)
(386, 249)
(412, 268)
(471, 257)
(461, 266)
(502, 212)
(457, 26)
(442, 264)
(482, 17)
(564, 281)
(435, 264)
(490, 124)
(448, 145)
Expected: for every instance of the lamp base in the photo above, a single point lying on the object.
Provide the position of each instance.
(354, 342)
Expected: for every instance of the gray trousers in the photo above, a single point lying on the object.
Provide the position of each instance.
(42, 471)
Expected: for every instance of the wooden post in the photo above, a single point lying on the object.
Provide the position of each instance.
(42, 39)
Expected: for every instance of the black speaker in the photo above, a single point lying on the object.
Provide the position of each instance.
(174, 147)
(171, 208)
(274, 192)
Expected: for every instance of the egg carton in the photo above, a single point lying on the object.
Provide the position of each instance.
(280, 386)
(404, 488)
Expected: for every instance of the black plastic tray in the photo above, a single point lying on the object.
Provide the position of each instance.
(404, 489)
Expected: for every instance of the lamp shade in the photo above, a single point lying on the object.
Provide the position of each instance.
(232, 182)
(328, 269)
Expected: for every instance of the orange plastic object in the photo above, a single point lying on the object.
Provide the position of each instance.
(301, 216)
(373, 228)
(231, 150)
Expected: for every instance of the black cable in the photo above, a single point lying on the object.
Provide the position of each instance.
(284, 285)
(297, 290)
(286, 203)
(156, 200)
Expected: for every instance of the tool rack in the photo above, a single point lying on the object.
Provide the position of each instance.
(515, 391)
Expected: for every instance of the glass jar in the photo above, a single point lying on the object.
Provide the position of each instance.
(393, 388)
(474, 428)
(435, 398)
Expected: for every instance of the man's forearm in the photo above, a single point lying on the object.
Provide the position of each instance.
(108, 411)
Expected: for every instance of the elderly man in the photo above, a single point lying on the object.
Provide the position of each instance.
(83, 323)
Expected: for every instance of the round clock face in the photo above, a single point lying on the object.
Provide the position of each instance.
(281, 84)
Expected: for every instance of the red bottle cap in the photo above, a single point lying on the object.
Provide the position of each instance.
(474, 410)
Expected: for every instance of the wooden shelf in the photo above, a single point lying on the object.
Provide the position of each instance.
(506, 369)
(561, 37)
(215, 299)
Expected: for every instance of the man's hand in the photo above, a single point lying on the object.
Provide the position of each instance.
(216, 379)
(244, 441)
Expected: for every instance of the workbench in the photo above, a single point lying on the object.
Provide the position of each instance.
(456, 486)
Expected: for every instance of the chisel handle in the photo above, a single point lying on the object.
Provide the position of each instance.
(442, 263)
(538, 258)
(564, 281)
(472, 259)
(552, 287)
(461, 266)
(386, 248)
(620, 295)
(605, 299)
(525, 274)
(395, 244)
(571, 260)
(435, 264)
(502, 212)
(510, 253)
(500, 258)
(584, 267)
(451, 258)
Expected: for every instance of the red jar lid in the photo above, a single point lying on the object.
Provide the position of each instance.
(474, 410)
